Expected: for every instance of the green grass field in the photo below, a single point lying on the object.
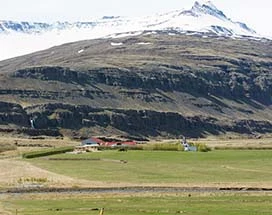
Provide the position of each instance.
(163, 204)
(223, 167)
(237, 166)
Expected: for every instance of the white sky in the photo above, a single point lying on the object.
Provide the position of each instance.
(256, 14)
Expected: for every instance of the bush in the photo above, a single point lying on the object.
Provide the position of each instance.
(32, 180)
(201, 147)
(48, 152)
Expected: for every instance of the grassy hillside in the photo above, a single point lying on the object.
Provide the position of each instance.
(148, 50)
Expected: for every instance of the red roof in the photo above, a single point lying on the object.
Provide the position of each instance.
(128, 143)
(110, 143)
(101, 142)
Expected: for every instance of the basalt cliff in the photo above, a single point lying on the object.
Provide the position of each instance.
(159, 83)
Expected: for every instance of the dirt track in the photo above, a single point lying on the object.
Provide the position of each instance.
(12, 170)
(121, 190)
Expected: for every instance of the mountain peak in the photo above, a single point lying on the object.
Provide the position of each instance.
(211, 5)
(207, 8)
(202, 18)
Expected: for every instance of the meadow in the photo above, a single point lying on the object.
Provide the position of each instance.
(145, 204)
(112, 168)
(243, 167)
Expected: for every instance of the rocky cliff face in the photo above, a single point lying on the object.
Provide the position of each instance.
(133, 122)
(168, 86)
(239, 82)
(13, 114)
(50, 117)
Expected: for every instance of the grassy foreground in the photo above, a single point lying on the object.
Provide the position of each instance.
(243, 167)
(148, 204)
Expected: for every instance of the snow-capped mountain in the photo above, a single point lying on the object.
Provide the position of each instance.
(17, 38)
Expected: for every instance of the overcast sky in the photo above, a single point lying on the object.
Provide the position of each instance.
(256, 14)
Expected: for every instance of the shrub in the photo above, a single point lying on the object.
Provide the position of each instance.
(201, 147)
(32, 180)
(48, 152)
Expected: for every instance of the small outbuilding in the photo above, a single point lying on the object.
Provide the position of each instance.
(86, 148)
(93, 141)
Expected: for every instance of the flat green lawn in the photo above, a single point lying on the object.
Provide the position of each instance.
(245, 166)
(237, 166)
(163, 204)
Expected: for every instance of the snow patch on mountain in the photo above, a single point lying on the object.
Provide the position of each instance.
(18, 38)
(80, 51)
(116, 44)
(143, 43)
